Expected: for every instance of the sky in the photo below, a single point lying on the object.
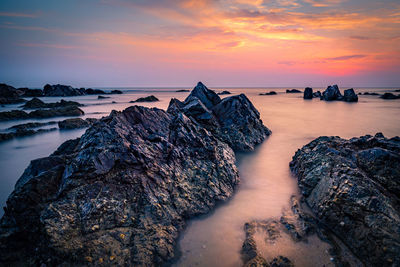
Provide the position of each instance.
(233, 43)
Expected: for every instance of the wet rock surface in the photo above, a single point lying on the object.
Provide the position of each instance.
(120, 194)
(75, 123)
(36, 103)
(41, 113)
(20, 132)
(353, 188)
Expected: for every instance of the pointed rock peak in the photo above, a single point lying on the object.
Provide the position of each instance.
(208, 97)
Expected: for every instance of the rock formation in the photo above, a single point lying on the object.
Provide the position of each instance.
(224, 93)
(353, 188)
(9, 95)
(292, 91)
(150, 98)
(389, 96)
(62, 90)
(75, 123)
(350, 96)
(269, 93)
(36, 103)
(332, 93)
(308, 93)
(121, 193)
(41, 113)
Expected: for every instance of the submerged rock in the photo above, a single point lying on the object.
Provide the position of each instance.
(116, 92)
(31, 125)
(224, 93)
(308, 93)
(20, 132)
(121, 193)
(390, 96)
(41, 113)
(62, 90)
(75, 123)
(182, 90)
(91, 91)
(350, 96)
(9, 95)
(293, 91)
(353, 188)
(102, 97)
(150, 98)
(269, 93)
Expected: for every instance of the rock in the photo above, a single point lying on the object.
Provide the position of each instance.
(36, 103)
(224, 93)
(332, 93)
(317, 94)
(31, 125)
(257, 261)
(233, 120)
(102, 97)
(62, 90)
(23, 132)
(281, 262)
(268, 93)
(182, 90)
(390, 96)
(350, 96)
(150, 98)
(308, 93)
(91, 91)
(397, 90)
(75, 123)
(293, 91)
(41, 113)
(368, 93)
(120, 194)
(31, 92)
(116, 92)
(353, 188)
(9, 95)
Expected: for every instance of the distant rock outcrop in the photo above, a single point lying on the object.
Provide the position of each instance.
(121, 193)
(75, 123)
(62, 90)
(350, 96)
(9, 95)
(390, 96)
(353, 188)
(36, 103)
(150, 98)
(41, 113)
(332, 93)
(269, 93)
(224, 93)
(308, 93)
(293, 91)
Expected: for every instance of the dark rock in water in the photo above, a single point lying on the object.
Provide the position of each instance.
(62, 90)
(233, 120)
(332, 93)
(398, 90)
(182, 90)
(41, 113)
(150, 98)
(293, 91)
(390, 96)
(317, 94)
(268, 93)
(208, 97)
(121, 193)
(308, 93)
(9, 95)
(35, 103)
(350, 96)
(102, 97)
(31, 125)
(31, 92)
(118, 195)
(116, 92)
(257, 261)
(23, 132)
(368, 93)
(224, 93)
(91, 91)
(353, 188)
(75, 123)
(281, 262)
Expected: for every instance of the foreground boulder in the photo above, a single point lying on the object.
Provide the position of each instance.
(233, 120)
(120, 194)
(9, 95)
(353, 188)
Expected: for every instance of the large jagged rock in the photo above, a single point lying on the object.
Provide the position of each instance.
(62, 90)
(350, 96)
(119, 195)
(9, 95)
(353, 188)
(332, 93)
(234, 119)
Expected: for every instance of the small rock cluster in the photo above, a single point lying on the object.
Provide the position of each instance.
(332, 93)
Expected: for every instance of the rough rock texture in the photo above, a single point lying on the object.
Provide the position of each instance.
(233, 120)
(75, 123)
(119, 195)
(62, 90)
(308, 93)
(293, 91)
(317, 94)
(332, 93)
(353, 188)
(350, 96)
(35, 103)
(150, 98)
(41, 113)
(9, 95)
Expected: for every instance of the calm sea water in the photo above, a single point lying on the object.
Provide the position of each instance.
(266, 182)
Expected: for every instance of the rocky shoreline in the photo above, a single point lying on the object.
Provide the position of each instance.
(121, 193)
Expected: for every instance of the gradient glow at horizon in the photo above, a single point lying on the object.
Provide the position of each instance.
(221, 42)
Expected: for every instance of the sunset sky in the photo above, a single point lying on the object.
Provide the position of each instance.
(222, 43)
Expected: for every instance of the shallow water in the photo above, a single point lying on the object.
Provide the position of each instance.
(266, 182)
